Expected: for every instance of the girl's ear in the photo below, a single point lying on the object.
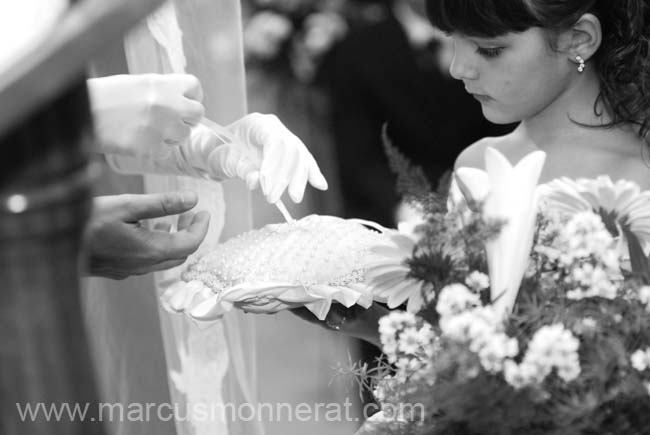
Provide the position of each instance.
(583, 38)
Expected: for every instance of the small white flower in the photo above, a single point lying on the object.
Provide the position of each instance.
(471, 326)
(551, 347)
(594, 282)
(522, 375)
(640, 359)
(408, 220)
(496, 350)
(396, 321)
(477, 281)
(586, 326)
(409, 341)
(513, 375)
(644, 296)
(389, 347)
(584, 254)
(570, 368)
(589, 322)
(456, 298)
(586, 234)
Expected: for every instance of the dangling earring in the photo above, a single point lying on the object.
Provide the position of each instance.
(581, 63)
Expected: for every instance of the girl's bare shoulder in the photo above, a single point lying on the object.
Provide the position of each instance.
(474, 155)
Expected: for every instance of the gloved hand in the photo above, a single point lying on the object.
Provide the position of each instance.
(258, 149)
(274, 156)
(146, 113)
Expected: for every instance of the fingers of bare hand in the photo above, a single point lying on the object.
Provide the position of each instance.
(147, 206)
(155, 267)
(162, 226)
(186, 241)
(167, 264)
(184, 221)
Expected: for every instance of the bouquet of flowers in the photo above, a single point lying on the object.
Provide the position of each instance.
(533, 311)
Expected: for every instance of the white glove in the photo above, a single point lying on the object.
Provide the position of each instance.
(284, 159)
(258, 149)
(146, 113)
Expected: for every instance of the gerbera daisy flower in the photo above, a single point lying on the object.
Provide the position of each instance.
(621, 204)
(388, 273)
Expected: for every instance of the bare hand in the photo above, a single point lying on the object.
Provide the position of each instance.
(118, 245)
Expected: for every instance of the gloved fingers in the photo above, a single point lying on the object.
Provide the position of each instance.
(276, 179)
(191, 111)
(245, 165)
(177, 133)
(278, 165)
(298, 183)
(133, 208)
(190, 86)
(253, 180)
(230, 161)
(316, 177)
(275, 156)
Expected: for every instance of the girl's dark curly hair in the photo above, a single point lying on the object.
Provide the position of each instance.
(622, 61)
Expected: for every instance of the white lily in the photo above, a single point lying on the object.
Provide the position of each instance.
(509, 194)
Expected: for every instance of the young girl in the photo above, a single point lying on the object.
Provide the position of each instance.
(574, 73)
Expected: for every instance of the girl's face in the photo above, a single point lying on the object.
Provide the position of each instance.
(515, 76)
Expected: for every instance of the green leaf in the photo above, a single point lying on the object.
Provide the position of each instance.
(412, 183)
(640, 263)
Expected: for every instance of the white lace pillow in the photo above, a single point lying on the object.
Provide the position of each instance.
(309, 262)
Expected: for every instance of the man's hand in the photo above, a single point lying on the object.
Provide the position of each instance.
(118, 245)
(145, 113)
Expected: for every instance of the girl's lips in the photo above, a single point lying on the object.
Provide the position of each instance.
(481, 97)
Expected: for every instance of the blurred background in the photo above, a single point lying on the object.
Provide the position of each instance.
(336, 71)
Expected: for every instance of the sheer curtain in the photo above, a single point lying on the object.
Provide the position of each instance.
(210, 367)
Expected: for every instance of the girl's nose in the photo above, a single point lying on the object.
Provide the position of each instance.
(462, 65)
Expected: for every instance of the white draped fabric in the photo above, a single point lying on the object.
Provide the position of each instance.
(209, 367)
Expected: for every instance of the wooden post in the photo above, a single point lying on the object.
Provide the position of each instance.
(45, 200)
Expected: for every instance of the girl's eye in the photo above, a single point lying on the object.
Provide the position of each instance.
(489, 52)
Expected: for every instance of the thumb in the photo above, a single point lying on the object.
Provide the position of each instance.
(137, 207)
